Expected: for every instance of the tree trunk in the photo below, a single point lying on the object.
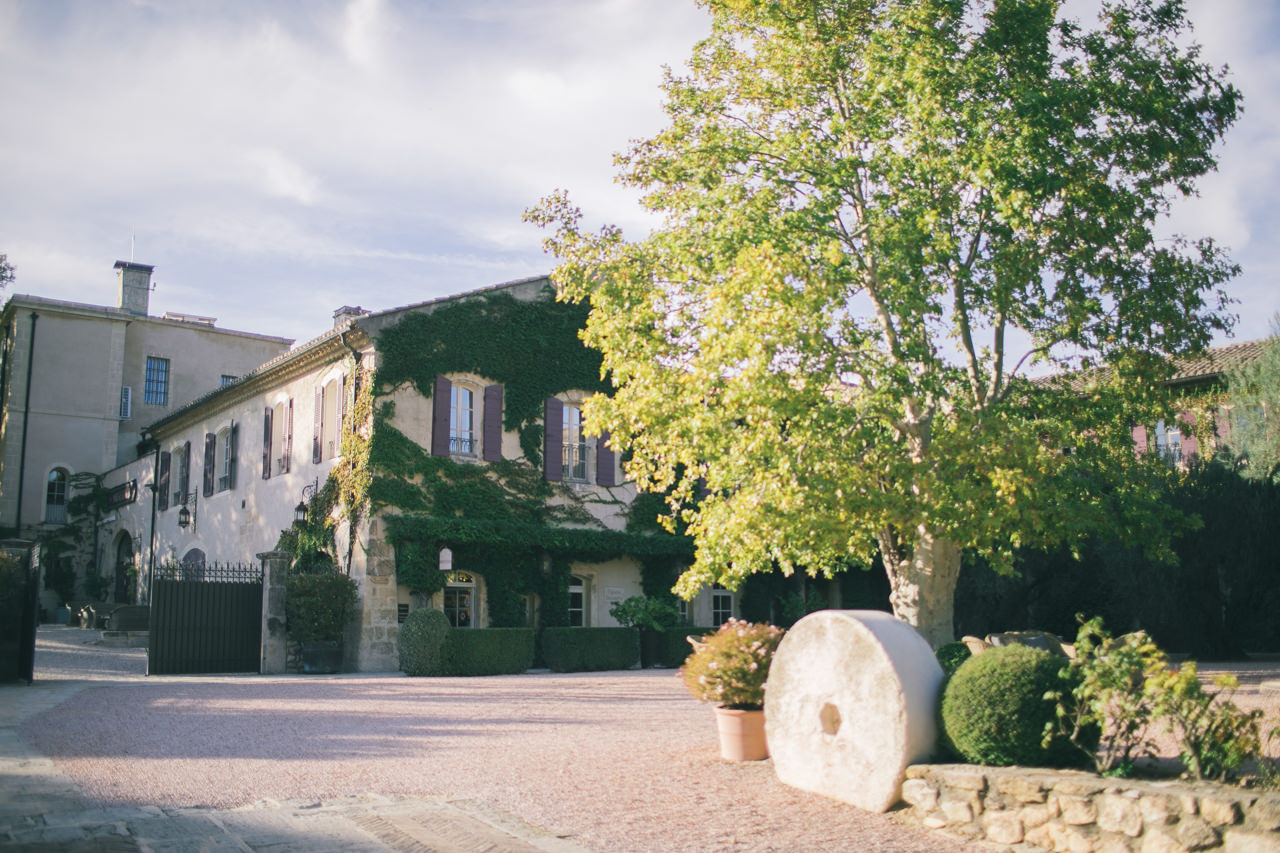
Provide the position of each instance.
(922, 583)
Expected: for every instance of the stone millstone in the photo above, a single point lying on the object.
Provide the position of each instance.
(851, 701)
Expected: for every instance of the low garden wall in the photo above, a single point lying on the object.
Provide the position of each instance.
(1080, 812)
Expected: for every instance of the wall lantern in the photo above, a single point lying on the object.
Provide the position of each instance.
(308, 492)
(187, 514)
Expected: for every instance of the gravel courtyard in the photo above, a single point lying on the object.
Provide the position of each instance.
(620, 761)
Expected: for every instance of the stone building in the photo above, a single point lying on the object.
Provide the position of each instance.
(78, 383)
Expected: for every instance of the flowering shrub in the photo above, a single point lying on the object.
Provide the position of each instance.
(731, 666)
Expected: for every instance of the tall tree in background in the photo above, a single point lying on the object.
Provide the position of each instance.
(876, 216)
(6, 271)
(1253, 391)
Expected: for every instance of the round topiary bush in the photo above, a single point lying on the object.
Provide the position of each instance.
(422, 638)
(994, 711)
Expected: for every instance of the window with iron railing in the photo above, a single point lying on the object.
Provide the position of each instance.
(574, 448)
(462, 437)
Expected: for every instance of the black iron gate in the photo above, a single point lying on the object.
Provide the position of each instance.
(19, 611)
(205, 618)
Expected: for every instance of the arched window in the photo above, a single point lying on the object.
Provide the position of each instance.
(55, 497)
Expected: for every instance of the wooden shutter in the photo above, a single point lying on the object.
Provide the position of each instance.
(319, 419)
(605, 462)
(553, 441)
(440, 417)
(492, 423)
(266, 443)
(184, 473)
(210, 459)
(286, 452)
(233, 446)
(162, 481)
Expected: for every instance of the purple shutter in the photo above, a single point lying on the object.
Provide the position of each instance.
(210, 457)
(232, 455)
(553, 441)
(266, 443)
(440, 417)
(1140, 440)
(605, 461)
(1190, 447)
(492, 423)
(340, 408)
(162, 481)
(315, 435)
(286, 452)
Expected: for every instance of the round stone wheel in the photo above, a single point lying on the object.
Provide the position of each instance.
(851, 700)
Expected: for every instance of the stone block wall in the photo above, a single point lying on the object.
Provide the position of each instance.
(1029, 809)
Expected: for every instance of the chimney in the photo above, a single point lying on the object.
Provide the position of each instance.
(135, 287)
(345, 313)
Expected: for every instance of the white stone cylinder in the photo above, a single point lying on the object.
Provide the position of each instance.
(851, 700)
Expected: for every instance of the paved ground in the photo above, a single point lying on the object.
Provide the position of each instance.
(41, 809)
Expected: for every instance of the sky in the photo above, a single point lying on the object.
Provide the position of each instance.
(277, 160)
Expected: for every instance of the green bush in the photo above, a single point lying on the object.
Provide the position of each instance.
(317, 606)
(488, 651)
(951, 656)
(994, 709)
(590, 649)
(673, 644)
(645, 613)
(422, 638)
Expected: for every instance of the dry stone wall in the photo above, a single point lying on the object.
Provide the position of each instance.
(1028, 810)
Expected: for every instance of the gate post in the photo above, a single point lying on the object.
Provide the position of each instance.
(275, 570)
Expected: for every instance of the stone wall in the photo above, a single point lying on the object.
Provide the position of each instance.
(1083, 813)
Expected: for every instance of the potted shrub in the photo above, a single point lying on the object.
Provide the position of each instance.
(317, 608)
(650, 616)
(730, 668)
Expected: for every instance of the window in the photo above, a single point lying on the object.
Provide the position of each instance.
(156, 390)
(721, 605)
(279, 449)
(1169, 442)
(227, 379)
(55, 497)
(577, 602)
(683, 607)
(574, 449)
(126, 403)
(183, 484)
(329, 410)
(459, 599)
(462, 435)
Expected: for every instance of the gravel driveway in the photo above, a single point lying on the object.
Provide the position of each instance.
(619, 761)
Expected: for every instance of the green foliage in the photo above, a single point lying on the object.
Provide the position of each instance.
(421, 642)
(645, 613)
(866, 209)
(1215, 737)
(1253, 394)
(1217, 601)
(13, 579)
(531, 348)
(673, 644)
(317, 606)
(995, 710)
(1109, 707)
(951, 656)
(60, 576)
(731, 666)
(590, 649)
(7, 271)
(488, 651)
(98, 586)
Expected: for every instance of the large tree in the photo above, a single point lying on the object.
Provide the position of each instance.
(876, 217)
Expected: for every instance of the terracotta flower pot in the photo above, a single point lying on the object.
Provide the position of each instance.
(741, 734)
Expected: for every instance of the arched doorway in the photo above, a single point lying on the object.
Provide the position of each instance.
(124, 563)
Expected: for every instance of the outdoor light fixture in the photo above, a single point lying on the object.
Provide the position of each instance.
(308, 492)
(187, 515)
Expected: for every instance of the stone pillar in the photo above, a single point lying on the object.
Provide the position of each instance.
(850, 702)
(275, 571)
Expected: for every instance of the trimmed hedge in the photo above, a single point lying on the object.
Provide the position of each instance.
(421, 643)
(590, 649)
(673, 644)
(488, 651)
(994, 709)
